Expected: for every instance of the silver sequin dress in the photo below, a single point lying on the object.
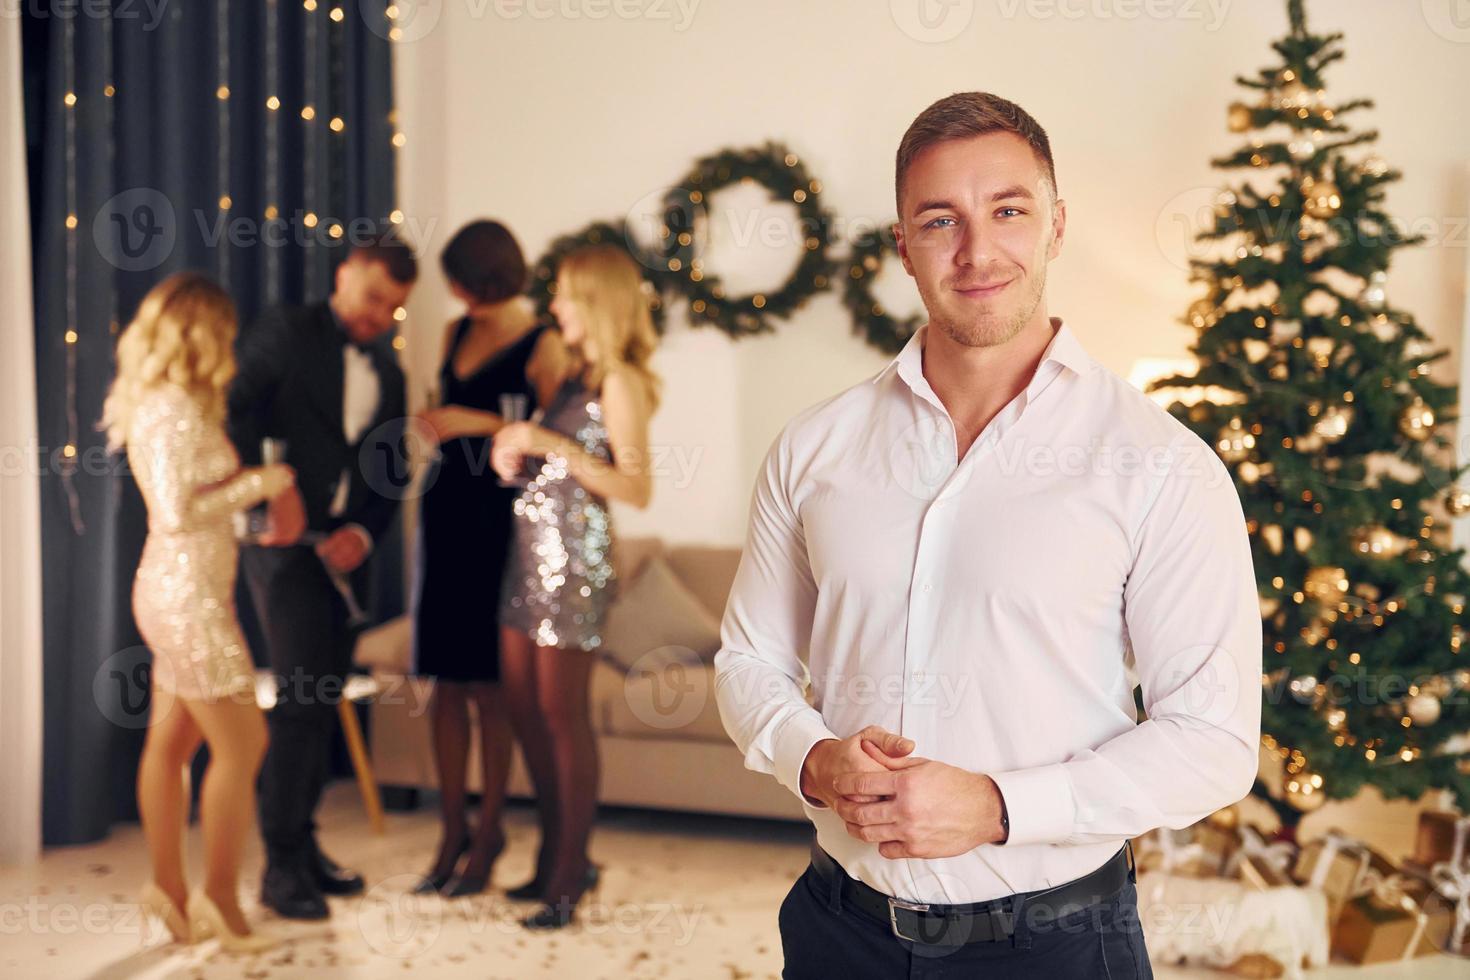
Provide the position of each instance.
(559, 576)
(184, 592)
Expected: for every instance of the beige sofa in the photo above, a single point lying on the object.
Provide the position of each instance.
(660, 738)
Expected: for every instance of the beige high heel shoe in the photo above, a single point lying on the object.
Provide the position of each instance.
(155, 902)
(208, 920)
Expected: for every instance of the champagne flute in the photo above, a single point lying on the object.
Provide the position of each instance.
(250, 526)
(513, 408)
(428, 449)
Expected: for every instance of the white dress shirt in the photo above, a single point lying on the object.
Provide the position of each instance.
(361, 391)
(995, 608)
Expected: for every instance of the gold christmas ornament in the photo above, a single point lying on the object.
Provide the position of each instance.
(1378, 541)
(1327, 584)
(1304, 791)
(1457, 501)
(1255, 350)
(1238, 117)
(1322, 199)
(1225, 202)
(1333, 423)
(1374, 166)
(1423, 709)
(1269, 605)
(1271, 534)
(1249, 471)
(1417, 422)
(1302, 538)
(1235, 443)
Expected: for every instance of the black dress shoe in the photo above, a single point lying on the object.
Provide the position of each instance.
(332, 878)
(292, 892)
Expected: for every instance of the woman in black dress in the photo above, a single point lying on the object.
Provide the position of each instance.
(496, 349)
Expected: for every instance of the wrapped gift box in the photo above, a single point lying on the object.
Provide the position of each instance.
(1385, 924)
(1348, 864)
(1435, 841)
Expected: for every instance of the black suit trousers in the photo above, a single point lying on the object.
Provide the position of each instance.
(310, 653)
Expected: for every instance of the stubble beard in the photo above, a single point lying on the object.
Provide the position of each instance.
(987, 328)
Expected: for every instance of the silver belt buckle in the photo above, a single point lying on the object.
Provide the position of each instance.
(894, 904)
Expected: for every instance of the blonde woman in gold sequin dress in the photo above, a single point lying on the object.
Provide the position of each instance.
(166, 407)
(590, 447)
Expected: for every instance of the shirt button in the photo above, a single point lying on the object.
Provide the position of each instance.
(919, 676)
(928, 587)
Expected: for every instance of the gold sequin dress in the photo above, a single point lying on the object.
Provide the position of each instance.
(559, 576)
(184, 592)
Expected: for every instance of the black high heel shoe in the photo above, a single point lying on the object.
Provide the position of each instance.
(524, 893)
(558, 915)
(462, 884)
(431, 882)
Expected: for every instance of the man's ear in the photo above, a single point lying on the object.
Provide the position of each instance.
(903, 248)
(1058, 229)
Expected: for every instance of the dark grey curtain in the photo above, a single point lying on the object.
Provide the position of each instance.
(232, 138)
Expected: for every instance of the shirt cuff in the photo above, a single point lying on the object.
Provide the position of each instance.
(362, 532)
(793, 744)
(1038, 803)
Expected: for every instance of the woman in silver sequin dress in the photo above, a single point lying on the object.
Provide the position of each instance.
(590, 447)
(166, 407)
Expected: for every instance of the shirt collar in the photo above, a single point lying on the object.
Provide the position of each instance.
(1064, 349)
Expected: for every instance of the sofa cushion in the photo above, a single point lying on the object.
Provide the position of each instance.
(655, 614)
(629, 555)
(707, 572)
(659, 699)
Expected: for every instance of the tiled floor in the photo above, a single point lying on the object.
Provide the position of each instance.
(685, 897)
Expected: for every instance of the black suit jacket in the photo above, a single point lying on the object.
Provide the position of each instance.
(289, 386)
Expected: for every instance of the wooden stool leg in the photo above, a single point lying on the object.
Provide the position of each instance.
(367, 783)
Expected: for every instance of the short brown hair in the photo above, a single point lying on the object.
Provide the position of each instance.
(484, 259)
(967, 114)
(393, 252)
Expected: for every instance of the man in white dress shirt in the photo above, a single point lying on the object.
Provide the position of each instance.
(974, 553)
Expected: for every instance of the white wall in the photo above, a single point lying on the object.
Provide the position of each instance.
(20, 490)
(549, 122)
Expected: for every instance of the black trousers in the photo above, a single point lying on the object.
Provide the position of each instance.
(310, 651)
(822, 937)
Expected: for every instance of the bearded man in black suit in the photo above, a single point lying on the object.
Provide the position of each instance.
(322, 379)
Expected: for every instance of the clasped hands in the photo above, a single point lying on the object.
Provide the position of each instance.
(911, 807)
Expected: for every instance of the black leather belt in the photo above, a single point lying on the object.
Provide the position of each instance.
(979, 922)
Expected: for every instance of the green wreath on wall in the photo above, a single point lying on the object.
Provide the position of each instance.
(776, 168)
(543, 273)
(869, 320)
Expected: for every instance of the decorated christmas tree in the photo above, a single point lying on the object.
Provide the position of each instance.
(1339, 441)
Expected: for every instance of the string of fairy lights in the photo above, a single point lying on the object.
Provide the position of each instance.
(68, 462)
(72, 103)
(222, 148)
